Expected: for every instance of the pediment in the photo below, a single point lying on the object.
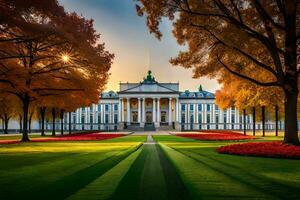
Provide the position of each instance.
(149, 88)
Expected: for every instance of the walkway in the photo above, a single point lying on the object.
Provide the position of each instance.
(151, 177)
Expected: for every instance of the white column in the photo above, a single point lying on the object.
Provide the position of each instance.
(111, 113)
(221, 119)
(195, 113)
(153, 110)
(120, 110)
(87, 118)
(158, 110)
(170, 111)
(177, 110)
(143, 110)
(204, 115)
(214, 115)
(102, 113)
(229, 117)
(128, 110)
(187, 113)
(139, 110)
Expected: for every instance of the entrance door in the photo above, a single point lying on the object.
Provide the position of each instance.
(134, 116)
(149, 117)
(163, 116)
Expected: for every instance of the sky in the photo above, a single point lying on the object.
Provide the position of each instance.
(136, 51)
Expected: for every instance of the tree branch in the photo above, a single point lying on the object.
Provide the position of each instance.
(260, 64)
(265, 84)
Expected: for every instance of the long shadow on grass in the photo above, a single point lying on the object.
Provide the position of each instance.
(175, 186)
(266, 186)
(151, 177)
(68, 185)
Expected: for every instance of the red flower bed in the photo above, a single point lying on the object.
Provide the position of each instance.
(220, 131)
(262, 149)
(75, 137)
(217, 135)
(9, 141)
(80, 137)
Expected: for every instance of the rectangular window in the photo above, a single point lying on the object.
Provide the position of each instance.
(217, 118)
(192, 119)
(233, 118)
(208, 118)
(91, 118)
(208, 107)
(91, 108)
(200, 118)
(74, 119)
(216, 107)
(191, 107)
(106, 107)
(116, 119)
(182, 107)
(200, 107)
(115, 107)
(83, 109)
(183, 118)
(82, 119)
(99, 118)
(106, 118)
(99, 107)
(91, 121)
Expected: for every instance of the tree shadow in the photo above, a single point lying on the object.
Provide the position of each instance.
(263, 185)
(70, 184)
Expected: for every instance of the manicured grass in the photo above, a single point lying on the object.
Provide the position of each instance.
(209, 175)
(58, 170)
(122, 168)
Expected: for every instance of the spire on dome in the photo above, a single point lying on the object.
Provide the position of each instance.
(200, 88)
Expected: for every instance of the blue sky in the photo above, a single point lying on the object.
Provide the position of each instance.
(136, 51)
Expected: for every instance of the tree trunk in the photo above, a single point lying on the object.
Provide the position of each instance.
(42, 112)
(6, 120)
(53, 121)
(61, 121)
(263, 120)
(276, 120)
(253, 114)
(290, 86)
(29, 124)
(70, 129)
(291, 126)
(26, 102)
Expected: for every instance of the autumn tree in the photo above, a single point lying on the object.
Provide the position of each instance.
(243, 38)
(63, 56)
(8, 110)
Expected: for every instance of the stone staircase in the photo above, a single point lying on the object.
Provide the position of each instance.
(134, 128)
(149, 127)
(165, 128)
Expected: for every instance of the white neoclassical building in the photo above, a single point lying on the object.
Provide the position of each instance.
(150, 105)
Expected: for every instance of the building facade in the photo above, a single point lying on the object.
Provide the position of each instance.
(150, 105)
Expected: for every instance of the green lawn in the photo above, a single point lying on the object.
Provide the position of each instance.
(123, 168)
(209, 175)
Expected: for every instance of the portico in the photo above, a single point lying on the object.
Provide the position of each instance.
(149, 109)
(149, 103)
